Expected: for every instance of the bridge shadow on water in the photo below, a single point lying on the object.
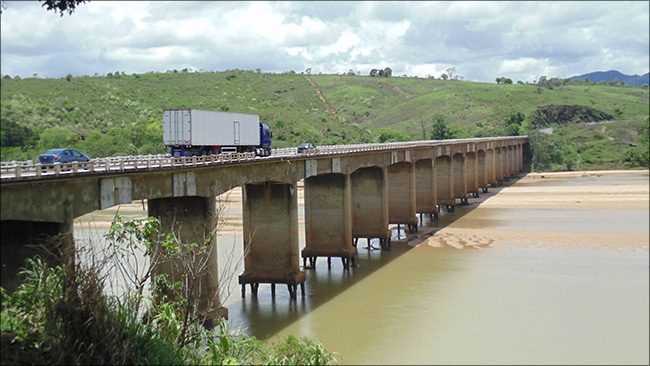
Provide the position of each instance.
(264, 315)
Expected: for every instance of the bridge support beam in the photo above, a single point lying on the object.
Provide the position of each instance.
(425, 189)
(192, 219)
(482, 170)
(445, 182)
(328, 219)
(471, 170)
(271, 246)
(498, 166)
(460, 177)
(401, 195)
(370, 206)
(490, 166)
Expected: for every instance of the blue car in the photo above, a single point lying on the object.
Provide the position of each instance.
(52, 156)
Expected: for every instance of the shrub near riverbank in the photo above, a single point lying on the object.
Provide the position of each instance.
(62, 315)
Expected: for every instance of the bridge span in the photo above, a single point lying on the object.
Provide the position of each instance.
(351, 192)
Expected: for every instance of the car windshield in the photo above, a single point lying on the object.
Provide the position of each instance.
(53, 151)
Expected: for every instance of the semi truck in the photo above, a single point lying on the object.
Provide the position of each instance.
(192, 132)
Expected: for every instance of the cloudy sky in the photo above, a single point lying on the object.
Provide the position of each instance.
(481, 40)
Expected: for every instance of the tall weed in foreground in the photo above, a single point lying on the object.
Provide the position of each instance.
(62, 315)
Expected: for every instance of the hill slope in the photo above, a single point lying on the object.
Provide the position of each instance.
(122, 115)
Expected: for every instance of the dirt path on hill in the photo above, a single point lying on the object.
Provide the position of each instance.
(320, 95)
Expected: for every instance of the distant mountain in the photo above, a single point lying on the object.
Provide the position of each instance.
(610, 76)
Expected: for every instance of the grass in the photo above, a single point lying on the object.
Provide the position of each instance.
(128, 108)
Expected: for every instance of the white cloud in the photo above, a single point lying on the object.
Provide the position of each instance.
(481, 39)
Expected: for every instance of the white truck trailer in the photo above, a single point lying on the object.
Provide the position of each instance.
(190, 132)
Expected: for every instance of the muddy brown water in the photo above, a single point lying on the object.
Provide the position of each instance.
(549, 269)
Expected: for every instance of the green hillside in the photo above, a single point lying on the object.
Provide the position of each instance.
(121, 114)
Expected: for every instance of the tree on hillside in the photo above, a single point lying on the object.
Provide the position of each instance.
(14, 135)
(391, 135)
(440, 129)
(513, 124)
(451, 71)
(386, 73)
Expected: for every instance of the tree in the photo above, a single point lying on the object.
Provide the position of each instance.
(390, 135)
(451, 71)
(60, 6)
(513, 124)
(440, 130)
(373, 72)
(388, 72)
(444, 77)
(14, 135)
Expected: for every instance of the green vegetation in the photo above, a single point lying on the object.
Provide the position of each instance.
(120, 114)
(62, 314)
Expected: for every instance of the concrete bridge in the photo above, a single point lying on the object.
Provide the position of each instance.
(351, 192)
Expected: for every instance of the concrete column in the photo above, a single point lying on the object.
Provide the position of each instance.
(471, 170)
(445, 182)
(498, 165)
(426, 201)
(193, 220)
(460, 181)
(490, 163)
(271, 246)
(401, 195)
(328, 219)
(370, 205)
(482, 170)
(511, 161)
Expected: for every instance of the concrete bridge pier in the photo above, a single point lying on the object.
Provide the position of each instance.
(471, 170)
(425, 189)
(193, 220)
(460, 178)
(509, 158)
(498, 165)
(369, 188)
(445, 182)
(328, 220)
(482, 170)
(22, 240)
(490, 167)
(271, 246)
(401, 196)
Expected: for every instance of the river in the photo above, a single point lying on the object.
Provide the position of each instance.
(552, 268)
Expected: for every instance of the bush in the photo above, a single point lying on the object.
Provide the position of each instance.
(638, 156)
(61, 314)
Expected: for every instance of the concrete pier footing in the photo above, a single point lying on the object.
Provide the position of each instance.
(271, 247)
(328, 220)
